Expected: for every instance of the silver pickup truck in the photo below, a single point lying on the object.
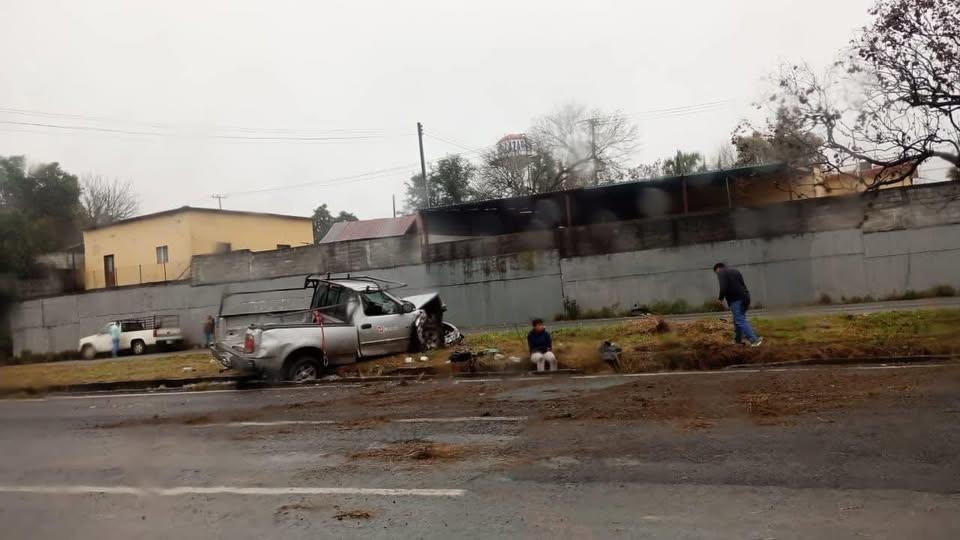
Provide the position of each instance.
(347, 319)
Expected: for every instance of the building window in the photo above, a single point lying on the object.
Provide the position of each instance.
(283, 246)
(162, 255)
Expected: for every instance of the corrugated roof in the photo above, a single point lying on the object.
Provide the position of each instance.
(369, 228)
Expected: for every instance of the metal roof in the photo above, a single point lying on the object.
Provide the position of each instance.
(614, 188)
(369, 228)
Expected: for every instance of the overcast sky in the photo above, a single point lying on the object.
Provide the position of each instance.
(364, 72)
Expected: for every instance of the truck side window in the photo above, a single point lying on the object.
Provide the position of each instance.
(376, 303)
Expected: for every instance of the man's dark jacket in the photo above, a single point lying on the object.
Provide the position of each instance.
(732, 287)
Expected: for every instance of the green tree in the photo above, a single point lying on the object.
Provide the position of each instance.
(323, 220)
(39, 209)
(684, 163)
(451, 182)
(784, 139)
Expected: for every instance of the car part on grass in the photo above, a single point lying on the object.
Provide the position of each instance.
(451, 334)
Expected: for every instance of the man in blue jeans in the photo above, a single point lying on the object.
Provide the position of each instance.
(734, 291)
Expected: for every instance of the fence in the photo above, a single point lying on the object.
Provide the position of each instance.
(138, 274)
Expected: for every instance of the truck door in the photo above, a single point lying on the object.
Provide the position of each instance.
(382, 325)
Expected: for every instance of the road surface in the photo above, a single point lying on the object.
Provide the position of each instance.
(806, 453)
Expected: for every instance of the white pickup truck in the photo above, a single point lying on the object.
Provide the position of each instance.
(136, 335)
(331, 321)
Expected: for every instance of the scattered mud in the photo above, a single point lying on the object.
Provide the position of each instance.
(778, 396)
(363, 423)
(635, 401)
(415, 450)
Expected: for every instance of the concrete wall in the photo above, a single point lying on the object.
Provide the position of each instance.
(790, 254)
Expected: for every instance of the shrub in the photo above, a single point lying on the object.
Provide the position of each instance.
(943, 291)
(825, 299)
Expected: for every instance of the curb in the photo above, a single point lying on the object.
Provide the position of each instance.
(842, 361)
(252, 383)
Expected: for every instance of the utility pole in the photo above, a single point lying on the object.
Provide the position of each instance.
(393, 199)
(423, 165)
(219, 197)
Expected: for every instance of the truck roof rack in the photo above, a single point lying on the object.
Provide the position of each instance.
(382, 284)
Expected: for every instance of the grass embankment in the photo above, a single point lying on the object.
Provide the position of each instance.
(652, 344)
(42, 376)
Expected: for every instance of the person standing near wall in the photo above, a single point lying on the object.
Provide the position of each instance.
(734, 290)
(208, 327)
(115, 338)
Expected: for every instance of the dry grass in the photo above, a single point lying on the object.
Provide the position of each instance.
(41, 376)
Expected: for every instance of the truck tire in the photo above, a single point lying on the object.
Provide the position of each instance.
(138, 346)
(88, 352)
(305, 368)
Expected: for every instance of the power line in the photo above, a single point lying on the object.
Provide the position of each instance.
(219, 137)
(171, 126)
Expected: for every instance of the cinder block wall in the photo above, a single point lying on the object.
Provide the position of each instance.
(790, 253)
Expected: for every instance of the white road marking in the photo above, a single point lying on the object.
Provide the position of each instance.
(268, 424)
(461, 419)
(227, 490)
(462, 381)
(436, 420)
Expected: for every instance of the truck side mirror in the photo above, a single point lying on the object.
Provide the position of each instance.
(408, 307)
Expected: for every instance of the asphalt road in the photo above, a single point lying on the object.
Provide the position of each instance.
(825, 453)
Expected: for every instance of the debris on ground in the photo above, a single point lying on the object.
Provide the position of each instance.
(648, 324)
(352, 514)
(362, 423)
(413, 450)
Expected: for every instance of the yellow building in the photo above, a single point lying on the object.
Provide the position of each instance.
(158, 247)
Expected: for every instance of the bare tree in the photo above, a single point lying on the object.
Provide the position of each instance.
(892, 102)
(506, 173)
(591, 146)
(107, 200)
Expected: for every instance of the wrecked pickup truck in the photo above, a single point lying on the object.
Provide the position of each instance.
(346, 319)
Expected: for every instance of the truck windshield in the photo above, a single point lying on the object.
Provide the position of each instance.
(378, 303)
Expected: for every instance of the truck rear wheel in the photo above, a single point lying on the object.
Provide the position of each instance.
(138, 346)
(304, 369)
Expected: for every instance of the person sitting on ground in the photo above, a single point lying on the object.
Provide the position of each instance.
(541, 347)
(610, 354)
(734, 290)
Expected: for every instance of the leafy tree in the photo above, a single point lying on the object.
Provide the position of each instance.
(893, 102)
(451, 182)
(38, 212)
(684, 163)
(105, 200)
(323, 220)
(646, 171)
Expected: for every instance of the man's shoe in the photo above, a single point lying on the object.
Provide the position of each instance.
(757, 343)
